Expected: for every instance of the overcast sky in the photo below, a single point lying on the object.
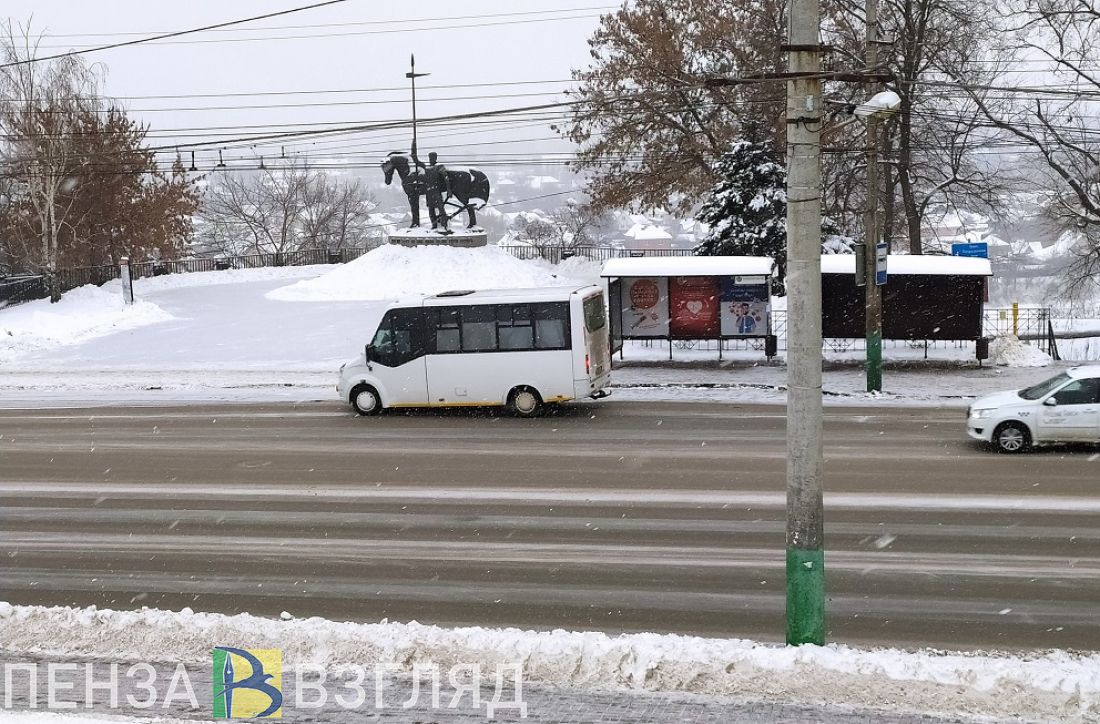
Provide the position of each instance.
(360, 50)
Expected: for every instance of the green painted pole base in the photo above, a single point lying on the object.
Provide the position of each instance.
(805, 597)
(874, 362)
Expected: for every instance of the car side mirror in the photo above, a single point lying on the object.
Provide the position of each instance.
(1050, 402)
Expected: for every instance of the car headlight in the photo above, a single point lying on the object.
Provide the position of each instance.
(981, 412)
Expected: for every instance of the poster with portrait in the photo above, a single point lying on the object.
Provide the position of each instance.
(644, 307)
(744, 306)
(693, 305)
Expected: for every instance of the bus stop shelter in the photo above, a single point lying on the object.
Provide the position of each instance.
(926, 298)
(690, 297)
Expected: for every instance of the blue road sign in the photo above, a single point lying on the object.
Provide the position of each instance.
(978, 249)
(882, 252)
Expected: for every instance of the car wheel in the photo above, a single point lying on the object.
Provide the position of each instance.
(525, 402)
(365, 400)
(1011, 438)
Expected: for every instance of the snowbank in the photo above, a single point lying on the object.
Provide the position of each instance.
(392, 271)
(1008, 351)
(81, 314)
(1053, 685)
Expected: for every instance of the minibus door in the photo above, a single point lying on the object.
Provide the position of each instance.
(396, 356)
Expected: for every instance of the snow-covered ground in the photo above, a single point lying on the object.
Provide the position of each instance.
(1046, 686)
(236, 336)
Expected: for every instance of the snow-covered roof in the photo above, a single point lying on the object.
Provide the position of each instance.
(647, 232)
(920, 264)
(688, 266)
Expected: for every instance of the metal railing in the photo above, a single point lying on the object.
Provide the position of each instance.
(557, 254)
(29, 288)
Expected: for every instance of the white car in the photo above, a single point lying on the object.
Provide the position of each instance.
(1065, 408)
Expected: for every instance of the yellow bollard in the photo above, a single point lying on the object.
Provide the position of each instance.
(1015, 319)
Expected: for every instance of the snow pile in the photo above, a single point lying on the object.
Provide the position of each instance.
(575, 268)
(81, 314)
(1008, 351)
(1053, 685)
(392, 271)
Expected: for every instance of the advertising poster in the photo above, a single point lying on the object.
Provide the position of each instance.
(693, 304)
(645, 307)
(744, 307)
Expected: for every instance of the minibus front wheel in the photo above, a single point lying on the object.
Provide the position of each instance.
(365, 400)
(525, 402)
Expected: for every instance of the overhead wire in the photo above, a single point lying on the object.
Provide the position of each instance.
(174, 34)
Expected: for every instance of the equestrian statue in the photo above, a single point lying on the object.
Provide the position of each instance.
(448, 192)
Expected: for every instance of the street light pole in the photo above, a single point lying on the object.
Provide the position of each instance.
(805, 514)
(871, 236)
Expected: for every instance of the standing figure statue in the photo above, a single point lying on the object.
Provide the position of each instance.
(462, 190)
(437, 186)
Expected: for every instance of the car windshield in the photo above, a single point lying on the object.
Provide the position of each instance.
(1044, 388)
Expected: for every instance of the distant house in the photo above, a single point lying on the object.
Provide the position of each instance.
(648, 236)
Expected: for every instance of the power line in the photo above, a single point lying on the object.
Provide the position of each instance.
(362, 23)
(358, 33)
(175, 34)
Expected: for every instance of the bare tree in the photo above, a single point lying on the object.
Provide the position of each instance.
(337, 215)
(278, 210)
(43, 106)
(1056, 122)
(566, 228)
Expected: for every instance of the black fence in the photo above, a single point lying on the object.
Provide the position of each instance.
(556, 254)
(28, 288)
(16, 290)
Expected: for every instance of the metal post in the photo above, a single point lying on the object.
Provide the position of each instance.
(805, 515)
(412, 75)
(872, 291)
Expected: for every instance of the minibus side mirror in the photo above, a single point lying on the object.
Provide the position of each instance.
(1050, 402)
(368, 355)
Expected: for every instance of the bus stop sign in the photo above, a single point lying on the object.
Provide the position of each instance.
(882, 251)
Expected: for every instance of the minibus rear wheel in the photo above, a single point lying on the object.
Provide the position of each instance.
(365, 400)
(525, 402)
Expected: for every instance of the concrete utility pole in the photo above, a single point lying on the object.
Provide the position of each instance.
(805, 515)
(872, 290)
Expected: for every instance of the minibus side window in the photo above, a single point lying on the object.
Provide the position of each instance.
(551, 325)
(448, 338)
(479, 328)
(514, 327)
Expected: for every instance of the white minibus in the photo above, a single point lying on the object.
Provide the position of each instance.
(524, 348)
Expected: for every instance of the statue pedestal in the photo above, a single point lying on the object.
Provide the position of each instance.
(426, 237)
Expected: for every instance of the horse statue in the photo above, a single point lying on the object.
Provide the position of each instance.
(458, 189)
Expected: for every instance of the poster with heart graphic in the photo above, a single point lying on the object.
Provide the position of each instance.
(694, 308)
(645, 307)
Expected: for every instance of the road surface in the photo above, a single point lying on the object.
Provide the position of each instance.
(616, 516)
